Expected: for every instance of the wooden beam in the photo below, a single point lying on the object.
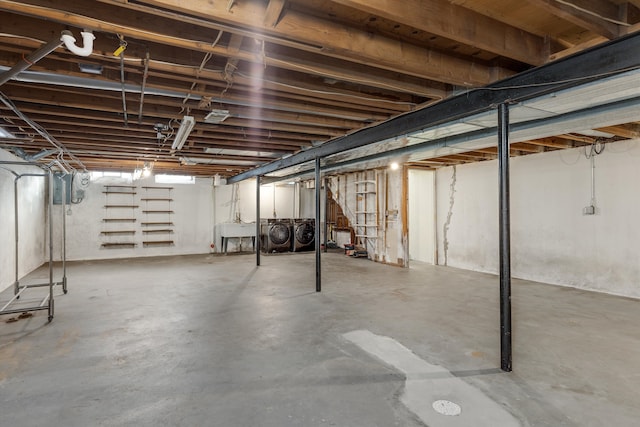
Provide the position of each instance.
(232, 62)
(274, 11)
(552, 143)
(594, 15)
(334, 39)
(630, 131)
(463, 25)
(591, 43)
(391, 78)
(110, 101)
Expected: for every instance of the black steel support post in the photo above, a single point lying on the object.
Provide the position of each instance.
(50, 226)
(257, 245)
(318, 192)
(505, 239)
(326, 210)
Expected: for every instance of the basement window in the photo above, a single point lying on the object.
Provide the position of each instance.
(175, 179)
(120, 176)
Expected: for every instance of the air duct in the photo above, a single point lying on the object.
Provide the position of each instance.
(32, 157)
(87, 40)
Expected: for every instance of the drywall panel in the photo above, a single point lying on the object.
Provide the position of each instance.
(192, 216)
(32, 223)
(421, 218)
(552, 240)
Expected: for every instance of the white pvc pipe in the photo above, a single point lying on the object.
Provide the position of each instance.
(87, 40)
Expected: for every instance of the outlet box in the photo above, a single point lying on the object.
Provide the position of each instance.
(589, 210)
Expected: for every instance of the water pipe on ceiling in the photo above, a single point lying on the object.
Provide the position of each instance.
(65, 37)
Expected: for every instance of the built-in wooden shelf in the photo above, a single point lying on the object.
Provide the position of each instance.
(119, 219)
(119, 192)
(121, 206)
(119, 245)
(115, 232)
(157, 201)
(120, 186)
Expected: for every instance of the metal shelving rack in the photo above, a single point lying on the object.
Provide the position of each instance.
(157, 206)
(47, 303)
(119, 198)
(366, 210)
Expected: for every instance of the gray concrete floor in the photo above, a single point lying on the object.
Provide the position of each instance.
(215, 341)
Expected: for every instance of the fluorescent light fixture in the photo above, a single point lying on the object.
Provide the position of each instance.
(186, 126)
(235, 152)
(214, 161)
(596, 133)
(5, 133)
(90, 68)
(216, 116)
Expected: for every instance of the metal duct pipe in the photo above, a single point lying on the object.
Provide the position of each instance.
(32, 157)
(36, 56)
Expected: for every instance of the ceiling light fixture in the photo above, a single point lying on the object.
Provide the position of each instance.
(235, 152)
(5, 133)
(146, 169)
(216, 116)
(186, 126)
(216, 161)
(394, 166)
(90, 68)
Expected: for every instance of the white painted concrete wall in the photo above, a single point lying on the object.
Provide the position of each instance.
(32, 210)
(421, 206)
(193, 227)
(552, 241)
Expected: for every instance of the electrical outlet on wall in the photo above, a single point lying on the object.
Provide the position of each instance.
(589, 210)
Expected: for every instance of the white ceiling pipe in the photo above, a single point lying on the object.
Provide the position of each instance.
(87, 40)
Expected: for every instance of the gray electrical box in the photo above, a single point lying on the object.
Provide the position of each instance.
(61, 181)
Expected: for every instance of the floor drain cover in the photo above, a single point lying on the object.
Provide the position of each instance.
(446, 407)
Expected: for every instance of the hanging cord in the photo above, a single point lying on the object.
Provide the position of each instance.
(40, 130)
(120, 51)
(206, 59)
(596, 147)
(144, 85)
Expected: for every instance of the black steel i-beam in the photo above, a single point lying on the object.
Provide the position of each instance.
(317, 237)
(505, 240)
(257, 245)
(615, 56)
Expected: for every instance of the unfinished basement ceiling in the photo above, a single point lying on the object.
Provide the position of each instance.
(279, 76)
